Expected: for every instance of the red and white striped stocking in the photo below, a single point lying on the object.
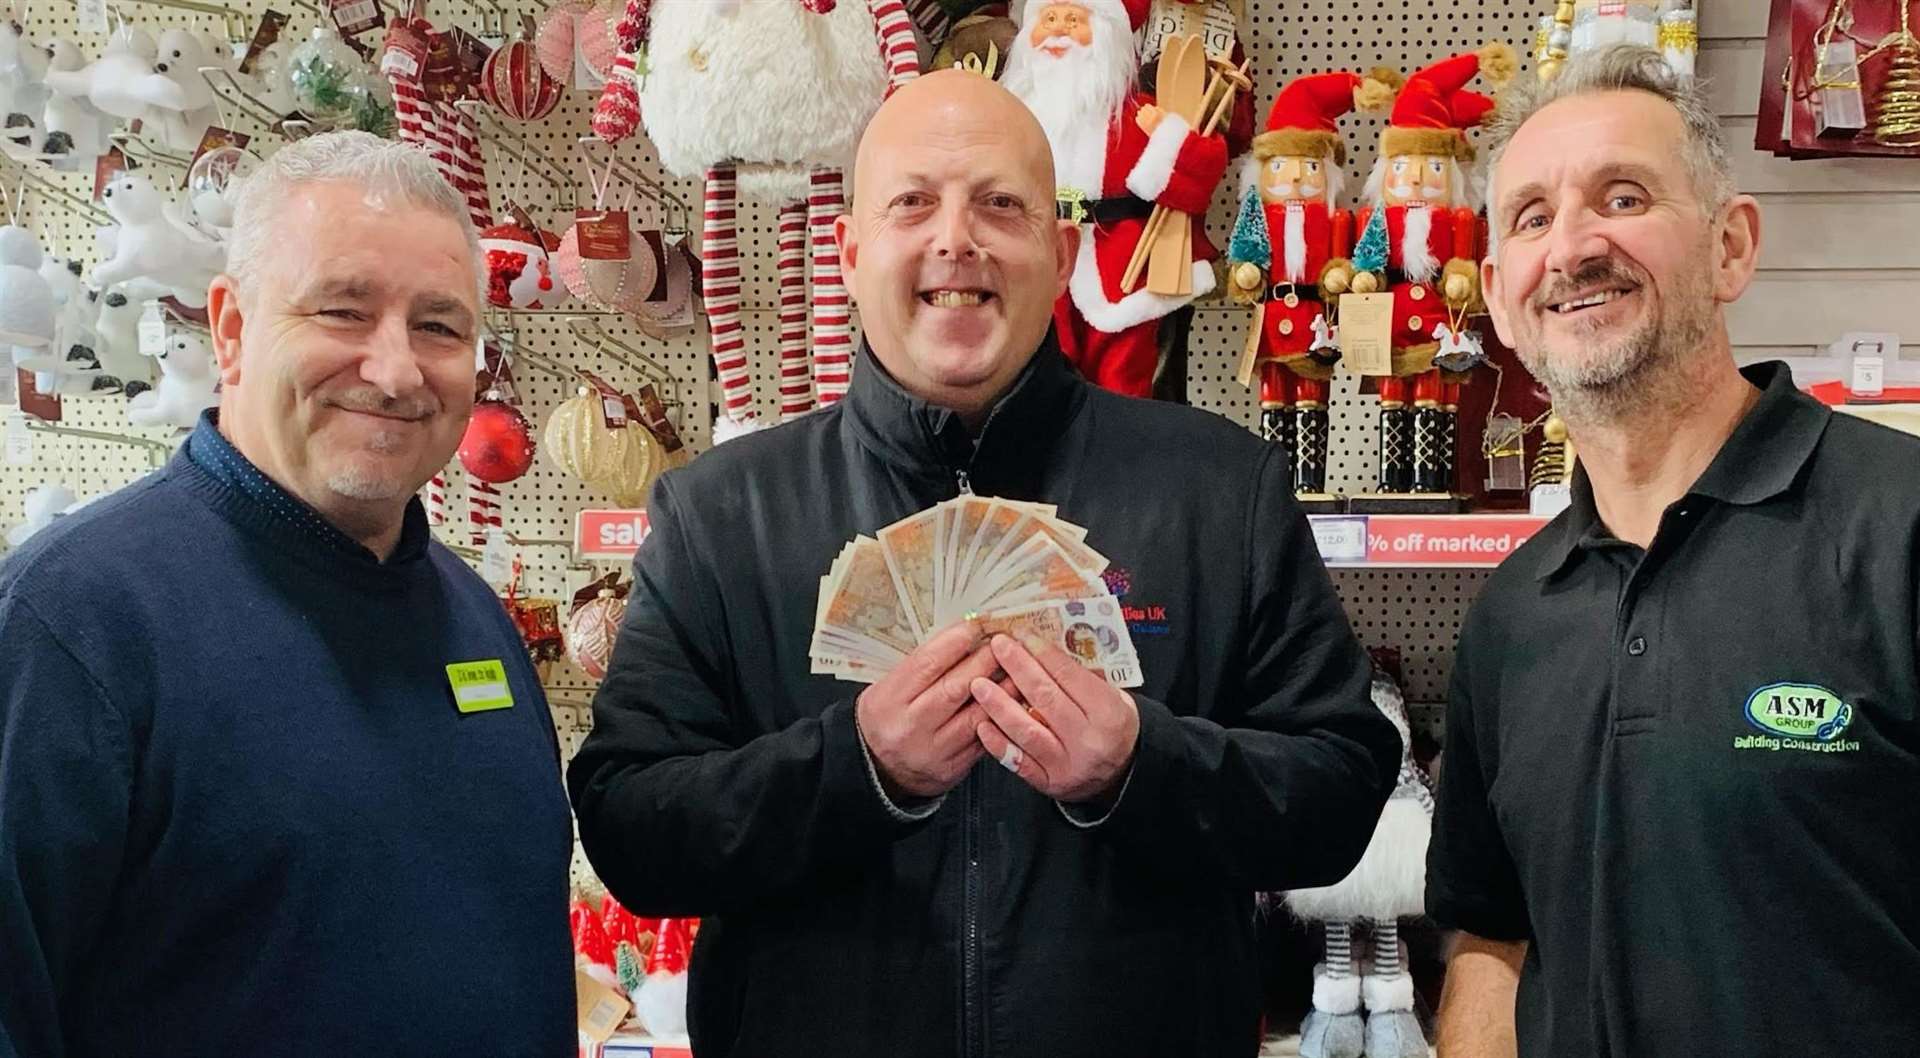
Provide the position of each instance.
(796, 383)
(720, 290)
(434, 498)
(483, 509)
(832, 313)
(931, 19)
(894, 31)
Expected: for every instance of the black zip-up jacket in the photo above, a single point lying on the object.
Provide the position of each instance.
(722, 780)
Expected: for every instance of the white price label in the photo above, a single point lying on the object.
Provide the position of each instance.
(1869, 376)
(1341, 538)
(496, 559)
(92, 16)
(153, 330)
(1547, 501)
(19, 441)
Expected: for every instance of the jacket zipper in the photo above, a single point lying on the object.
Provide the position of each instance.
(973, 1032)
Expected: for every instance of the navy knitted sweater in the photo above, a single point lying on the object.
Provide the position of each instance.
(240, 811)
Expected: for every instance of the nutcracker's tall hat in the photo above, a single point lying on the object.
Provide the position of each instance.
(1304, 120)
(1133, 12)
(1434, 108)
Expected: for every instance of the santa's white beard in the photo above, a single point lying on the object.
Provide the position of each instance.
(1075, 96)
(1294, 243)
(1416, 257)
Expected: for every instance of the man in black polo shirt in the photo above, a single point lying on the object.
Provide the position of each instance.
(1677, 812)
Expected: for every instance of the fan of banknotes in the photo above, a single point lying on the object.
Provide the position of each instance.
(1014, 567)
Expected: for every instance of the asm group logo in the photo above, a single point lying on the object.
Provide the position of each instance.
(1797, 716)
(1143, 618)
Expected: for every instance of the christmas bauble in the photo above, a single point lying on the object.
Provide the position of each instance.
(498, 446)
(520, 267)
(553, 44)
(591, 632)
(514, 81)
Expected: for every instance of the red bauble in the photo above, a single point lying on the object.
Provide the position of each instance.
(497, 446)
(517, 85)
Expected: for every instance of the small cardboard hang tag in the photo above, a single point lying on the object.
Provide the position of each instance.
(271, 23)
(613, 404)
(1366, 333)
(354, 17)
(653, 415)
(604, 235)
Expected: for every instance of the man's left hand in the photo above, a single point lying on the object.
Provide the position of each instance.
(1070, 734)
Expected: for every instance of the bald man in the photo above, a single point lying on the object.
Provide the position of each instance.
(872, 880)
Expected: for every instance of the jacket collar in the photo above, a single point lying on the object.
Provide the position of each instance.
(927, 440)
(1760, 460)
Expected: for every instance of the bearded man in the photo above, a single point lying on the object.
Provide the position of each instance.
(1117, 155)
(1683, 737)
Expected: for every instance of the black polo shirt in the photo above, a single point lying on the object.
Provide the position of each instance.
(1690, 776)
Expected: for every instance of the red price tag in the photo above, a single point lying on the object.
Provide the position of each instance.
(604, 235)
(613, 405)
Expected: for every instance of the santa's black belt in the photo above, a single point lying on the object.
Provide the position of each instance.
(1300, 292)
(1107, 211)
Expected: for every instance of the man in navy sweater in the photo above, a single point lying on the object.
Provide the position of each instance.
(276, 776)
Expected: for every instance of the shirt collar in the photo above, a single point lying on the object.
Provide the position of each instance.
(1762, 459)
(210, 450)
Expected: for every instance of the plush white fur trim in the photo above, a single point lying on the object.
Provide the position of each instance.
(1390, 880)
(1335, 995)
(1152, 172)
(776, 84)
(777, 183)
(1135, 308)
(661, 1004)
(1387, 993)
(726, 428)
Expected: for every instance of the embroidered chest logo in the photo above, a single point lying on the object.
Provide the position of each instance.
(1797, 716)
(1143, 618)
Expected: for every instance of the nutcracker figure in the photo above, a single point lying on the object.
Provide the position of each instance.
(1289, 257)
(1116, 155)
(1424, 216)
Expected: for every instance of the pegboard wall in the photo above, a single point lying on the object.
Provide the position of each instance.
(1417, 611)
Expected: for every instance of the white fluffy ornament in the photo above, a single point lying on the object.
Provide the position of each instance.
(27, 317)
(148, 243)
(187, 386)
(23, 90)
(43, 505)
(122, 81)
(182, 54)
(76, 130)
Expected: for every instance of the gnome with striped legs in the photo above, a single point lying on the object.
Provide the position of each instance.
(1364, 1006)
(765, 98)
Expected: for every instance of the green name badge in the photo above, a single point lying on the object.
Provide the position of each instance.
(479, 685)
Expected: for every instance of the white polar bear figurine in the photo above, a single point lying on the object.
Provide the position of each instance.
(187, 386)
(148, 244)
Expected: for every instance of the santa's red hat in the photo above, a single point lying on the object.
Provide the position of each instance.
(674, 950)
(1304, 120)
(1133, 12)
(1434, 109)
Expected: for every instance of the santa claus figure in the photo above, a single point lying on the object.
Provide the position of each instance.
(1289, 255)
(1428, 209)
(1116, 155)
(769, 98)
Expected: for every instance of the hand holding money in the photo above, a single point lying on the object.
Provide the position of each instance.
(919, 720)
(1069, 734)
(1014, 566)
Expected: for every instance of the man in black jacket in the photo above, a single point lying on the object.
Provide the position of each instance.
(869, 885)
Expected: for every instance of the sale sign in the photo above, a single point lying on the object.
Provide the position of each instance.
(609, 534)
(1472, 540)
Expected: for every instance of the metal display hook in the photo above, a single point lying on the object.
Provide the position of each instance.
(158, 452)
(587, 330)
(63, 198)
(515, 146)
(138, 149)
(235, 21)
(241, 99)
